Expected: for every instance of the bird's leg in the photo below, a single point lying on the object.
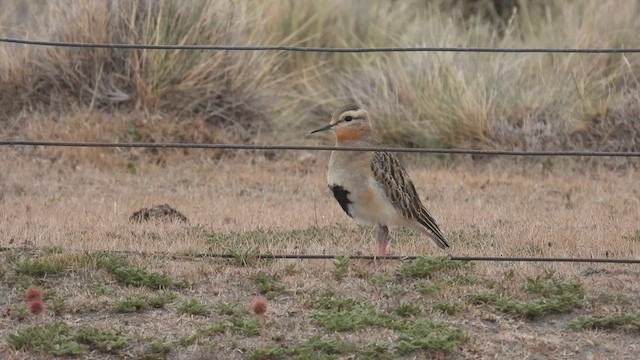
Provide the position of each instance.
(383, 236)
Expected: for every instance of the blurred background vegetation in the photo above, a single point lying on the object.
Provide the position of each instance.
(435, 99)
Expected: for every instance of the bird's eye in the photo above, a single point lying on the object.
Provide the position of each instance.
(348, 118)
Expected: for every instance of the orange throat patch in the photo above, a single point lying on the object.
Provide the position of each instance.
(347, 133)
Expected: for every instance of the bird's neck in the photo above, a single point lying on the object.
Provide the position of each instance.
(364, 140)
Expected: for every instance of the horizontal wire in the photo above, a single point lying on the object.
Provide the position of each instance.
(321, 148)
(319, 49)
(193, 256)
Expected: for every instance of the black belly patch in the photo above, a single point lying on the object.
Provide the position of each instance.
(342, 196)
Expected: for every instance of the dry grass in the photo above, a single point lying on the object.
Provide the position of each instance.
(226, 88)
(566, 213)
(255, 204)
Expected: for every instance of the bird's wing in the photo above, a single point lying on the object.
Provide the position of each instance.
(399, 189)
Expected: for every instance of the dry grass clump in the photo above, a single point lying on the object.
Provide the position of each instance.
(225, 88)
(485, 100)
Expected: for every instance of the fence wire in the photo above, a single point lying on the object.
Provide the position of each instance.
(320, 148)
(195, 256)
(319, 49)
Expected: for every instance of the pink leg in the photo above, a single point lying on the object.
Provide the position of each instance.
(383, 236)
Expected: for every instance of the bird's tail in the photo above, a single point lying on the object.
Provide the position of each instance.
(432, 230)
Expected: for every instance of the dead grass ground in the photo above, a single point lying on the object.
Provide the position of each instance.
(50, 198)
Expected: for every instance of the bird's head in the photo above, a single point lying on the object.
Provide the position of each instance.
(349, 122)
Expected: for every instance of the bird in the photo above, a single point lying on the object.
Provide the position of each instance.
(373, 187)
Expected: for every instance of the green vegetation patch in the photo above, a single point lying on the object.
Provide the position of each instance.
(426, 267)
(268, 284)
(340, 267)
(428, 335)
(37, 267)
(53, 339)
(156, 350)
(243, 325)
(407, 310)
(341, 314)
(127, 274)
(138, 303)
(318, 347)
(356, 318)
(102, 340)
(194, 307)
(618, 321)
(634, 237)
(447, 308)
(378, 350)
(314, 348)
(552, 296)
(58, 339)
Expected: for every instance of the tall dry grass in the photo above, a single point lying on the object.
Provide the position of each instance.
(226, 88)
(526, 101)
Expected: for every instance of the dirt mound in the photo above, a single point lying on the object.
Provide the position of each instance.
(162, 212)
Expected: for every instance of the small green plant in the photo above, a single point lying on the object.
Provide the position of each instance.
(380, 279)
(157, 349)
(622, 320)
(53, 339)
(407, 310)
(396, 291)
(428, 335)
(425, 267)
(291, 269)
(127, 274)
(194, 307)
(317, 346)
(483, 297)
(137, 303)
(102, 340)
(132, 304)
(204, 331)
(428, 287)
(447, 308)
(37, 267)
(377, 351)
(187, 340)
(340, 267)
(271, 351)
(21, 310)
(268, 284)
(634, 237)
(462, 279)
(100, 289)
(12, 256)
(57, 303)
(225, 308)
(356, 318)
(249, 326)
(161, 300)
(553, 297)
(53, 250)
(244, 257)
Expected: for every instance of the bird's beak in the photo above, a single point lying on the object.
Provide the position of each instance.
(324, 128)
